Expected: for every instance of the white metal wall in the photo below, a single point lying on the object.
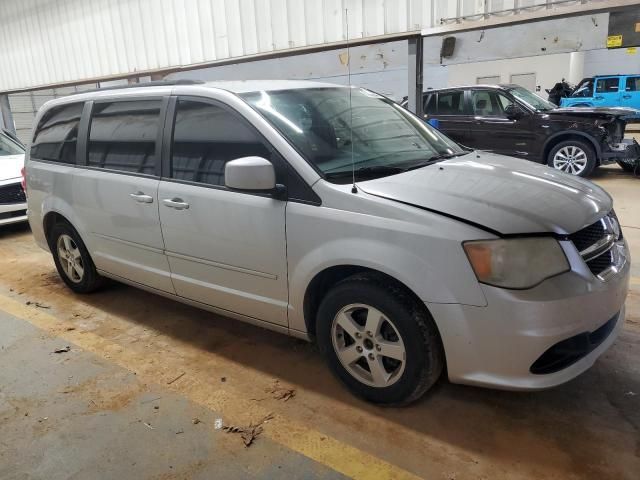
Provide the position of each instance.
(47, 42)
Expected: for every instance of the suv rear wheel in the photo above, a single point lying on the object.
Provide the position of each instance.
(73, 262)
(575, 157)
(379, 341)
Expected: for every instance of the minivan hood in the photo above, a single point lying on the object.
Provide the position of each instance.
(10, 166)
(502, 194)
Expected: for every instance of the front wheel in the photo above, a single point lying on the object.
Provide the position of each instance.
(575, 157)
(379, 340)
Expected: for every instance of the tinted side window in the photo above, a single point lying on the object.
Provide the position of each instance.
(57, 134)
(488, 104)
(504, 101)
(451, 103)
(632, 84)
(607, 85)
(205, 138)
(122, 136)
(430, 104)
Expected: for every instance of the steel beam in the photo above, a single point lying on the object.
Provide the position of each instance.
(415, 76)
(5, 114)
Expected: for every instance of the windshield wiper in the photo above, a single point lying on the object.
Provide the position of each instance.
(435, 159)
(384, 170)
(368, 171)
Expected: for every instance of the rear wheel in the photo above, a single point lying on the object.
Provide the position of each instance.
(379, 341)
(73, 262)
(575, 157)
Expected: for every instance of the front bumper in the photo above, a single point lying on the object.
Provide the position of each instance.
(497, 345)
(13, 213)
(627, 151)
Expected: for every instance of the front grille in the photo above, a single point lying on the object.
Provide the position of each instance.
(586, 237)
(596, 244)
(12, 194)
(601, 263)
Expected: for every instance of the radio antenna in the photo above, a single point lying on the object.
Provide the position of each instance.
(354, 189)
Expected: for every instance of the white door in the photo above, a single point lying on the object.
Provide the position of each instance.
(488, 80)
(225, 248)
(526, 80)
(116, 195)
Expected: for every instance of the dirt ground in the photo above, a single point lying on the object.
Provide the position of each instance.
(586, 429)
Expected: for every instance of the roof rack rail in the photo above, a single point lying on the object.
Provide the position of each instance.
(154, 83)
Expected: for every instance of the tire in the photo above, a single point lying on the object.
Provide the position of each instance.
(81, 277)
(404, 324)
(627, 167)
(575, 157)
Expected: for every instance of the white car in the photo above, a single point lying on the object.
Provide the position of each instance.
(13, 204)
(332, 214)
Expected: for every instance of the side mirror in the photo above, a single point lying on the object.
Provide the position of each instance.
(513, 111)
(250, 174)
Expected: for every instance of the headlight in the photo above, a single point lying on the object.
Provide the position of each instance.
(516, 263)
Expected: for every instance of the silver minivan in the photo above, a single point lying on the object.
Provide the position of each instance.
(332, 214)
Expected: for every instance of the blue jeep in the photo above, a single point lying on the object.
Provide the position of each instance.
(606, 91)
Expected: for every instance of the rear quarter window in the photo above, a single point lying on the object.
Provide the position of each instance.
(56, 135)
(430, 104)
(632, 84)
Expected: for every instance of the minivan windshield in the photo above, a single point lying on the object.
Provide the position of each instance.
(385, 138)
(531, 99)
(8, 146)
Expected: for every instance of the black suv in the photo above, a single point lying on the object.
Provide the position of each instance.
(511, 120)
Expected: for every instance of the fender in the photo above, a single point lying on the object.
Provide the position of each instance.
(565, 102)
(405, 266)
(61, 207)
(40, 201)
(597, 147)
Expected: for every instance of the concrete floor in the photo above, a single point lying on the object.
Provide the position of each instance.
(90, 412)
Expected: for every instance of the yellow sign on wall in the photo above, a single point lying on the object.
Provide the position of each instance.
(614, 41)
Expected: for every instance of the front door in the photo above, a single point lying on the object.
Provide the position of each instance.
(225, 248)
(607, 92)
(116, 193)
(492, 131)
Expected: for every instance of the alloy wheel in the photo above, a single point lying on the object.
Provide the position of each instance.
(368, 345)
(70, 258)
(570, 159)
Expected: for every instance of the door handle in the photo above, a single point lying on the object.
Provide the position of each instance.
(141, 197)
(626, 96)
(176, 203)
(598, 98)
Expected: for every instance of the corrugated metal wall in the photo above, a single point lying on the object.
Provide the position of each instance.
(46, 42)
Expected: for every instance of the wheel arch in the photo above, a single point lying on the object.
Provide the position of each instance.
(50, 220)
(569, 135)
(324, 280)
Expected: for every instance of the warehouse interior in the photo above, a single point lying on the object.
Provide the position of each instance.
(125, 383)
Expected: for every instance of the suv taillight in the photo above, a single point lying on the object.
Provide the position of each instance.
(24, 180)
